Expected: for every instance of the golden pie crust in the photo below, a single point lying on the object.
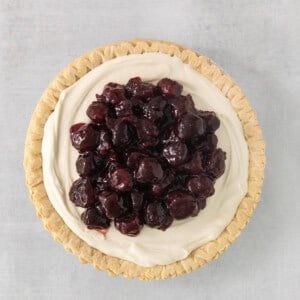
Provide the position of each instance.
(54, 223)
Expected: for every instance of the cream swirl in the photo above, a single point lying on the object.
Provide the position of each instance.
(151, 247)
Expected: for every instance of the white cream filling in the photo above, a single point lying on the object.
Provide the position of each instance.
(151, 247)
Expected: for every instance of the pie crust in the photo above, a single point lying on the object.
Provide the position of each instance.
(54, 223)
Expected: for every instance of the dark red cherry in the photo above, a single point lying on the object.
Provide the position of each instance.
(156, 215)
(85, 164)
(193, 166)
(97, 111)
(207, 143)
(85, 138)
(159, 188)
(190, 126)
(181, 204)
(182, 105)
(121, 180)
(211, 120)
(124, 108)
(76, 127)
(201, 186)
(112, 204)
(130, 225)
(175, 153)
(134, 158)
(216, 163)
(82, 193)
(136, 87)
(120, 133)
(147, 133)
(154, 109)
(114, 93)
(169, 88)
(149, 171)
(94, 219)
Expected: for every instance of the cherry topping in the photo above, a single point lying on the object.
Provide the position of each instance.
(216, 163)
(201, 186)
(85, 164)
(169, 88)
(130, 225)
(156, 215)
(112, 204)
(182, 105)
(85, 138)
(211, 121)
(181, 204)
(121, 180)
(81, 193)
(149, 170)
(94, 219)
(148, 156)
(175, 153)
(190, 126)
(76, 127)
(97, 112)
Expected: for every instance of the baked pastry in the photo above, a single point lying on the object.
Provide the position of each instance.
(153, 254)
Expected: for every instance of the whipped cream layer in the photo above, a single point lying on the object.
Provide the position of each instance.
(151, 247)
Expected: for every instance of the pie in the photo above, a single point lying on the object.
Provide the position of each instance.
(144, 159)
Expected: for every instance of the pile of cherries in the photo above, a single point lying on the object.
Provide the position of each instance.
(147, 157)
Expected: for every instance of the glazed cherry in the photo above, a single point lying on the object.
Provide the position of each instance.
(112, 204)
(85, 138)
(154, 109)
(190, 126)
(169, 88)
(130, 225)
(147, 157)
(201, 186)
(114, 93)
(158, 188)
(157, 215)
(175, 153)
(97, 111)
(207, 143)
(181, 204)
(121, 180)
(136, 87)
(120, 134)
(94, 219)
(76, 127)
(216, 163)
(134, 158)
(182, 105)
(149, 171)
(82, 193)
(211, 121)
(193, 166)
(85, 164)
(147, 133)
(124, 108)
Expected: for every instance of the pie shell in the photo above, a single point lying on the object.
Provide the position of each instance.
(54, 223)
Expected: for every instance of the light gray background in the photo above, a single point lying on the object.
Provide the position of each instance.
(256, 42)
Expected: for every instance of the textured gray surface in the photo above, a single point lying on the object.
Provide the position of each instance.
(257, 42)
